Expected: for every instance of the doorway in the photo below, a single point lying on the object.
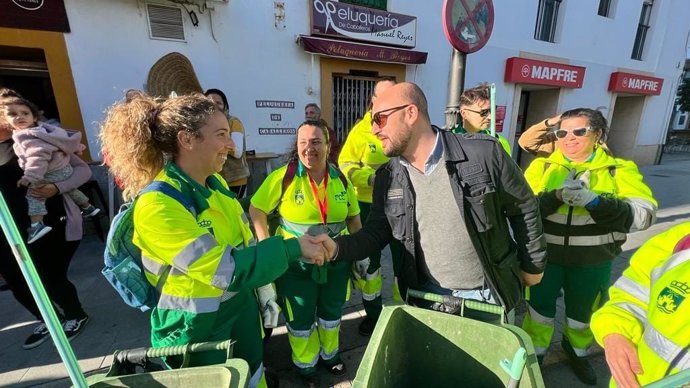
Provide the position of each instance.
(536, 104)
(624, 125)
(346, 88)
(25, 70)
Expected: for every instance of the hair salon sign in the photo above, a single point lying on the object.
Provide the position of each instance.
(332, 18)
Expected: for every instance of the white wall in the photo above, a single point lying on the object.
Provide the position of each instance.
(110, 51)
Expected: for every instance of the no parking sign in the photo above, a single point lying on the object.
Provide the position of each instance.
(468, 23)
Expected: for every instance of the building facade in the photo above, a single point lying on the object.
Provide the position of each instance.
(273, 57)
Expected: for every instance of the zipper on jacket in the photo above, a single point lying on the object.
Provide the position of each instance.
(566, 235)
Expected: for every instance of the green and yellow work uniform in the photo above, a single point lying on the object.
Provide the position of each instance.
(205, 269)
(647, 305)
(359, 158)
(582, 241)
(307, 291)
(501, 139)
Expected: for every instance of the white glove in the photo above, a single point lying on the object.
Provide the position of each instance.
(578, 197)
(269, 308)
(571, 183)
(361, 267)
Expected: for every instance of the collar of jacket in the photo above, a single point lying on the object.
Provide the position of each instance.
(302, 171)
(601, 159)
(191, 189)
(452, 146)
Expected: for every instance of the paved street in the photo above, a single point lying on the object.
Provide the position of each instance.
(116, 326)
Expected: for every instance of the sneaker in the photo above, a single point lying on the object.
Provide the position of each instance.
(580, 366)
(311, 380)
(39, 336)
(90, 211)
(36, 231)
(73, 327)
(367, 327)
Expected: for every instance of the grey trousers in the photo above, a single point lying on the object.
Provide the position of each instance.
(37, 206)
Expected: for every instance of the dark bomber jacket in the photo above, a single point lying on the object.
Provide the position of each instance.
(491, 194)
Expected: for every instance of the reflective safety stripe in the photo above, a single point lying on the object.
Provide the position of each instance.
(194, 250)
(225, 270)
(301, 333)
(539, 328)
(576, 220)
(257, 377)
(576, 324)
(665, 348)
(579, 335)
(152, 266)
(329, 324)
(371, 285)
(244, 218)
(538, 317)
(227, 295)
(333, 228)
(635, 310)
(672, 262)
(633, 289)
(328, 336)
(585, 241)
(192, 305)
(304, 345)
(644, 213)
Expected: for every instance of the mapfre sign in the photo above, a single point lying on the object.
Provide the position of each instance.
(530, 71)
(634, 83)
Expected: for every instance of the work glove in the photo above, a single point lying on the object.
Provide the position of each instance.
(573, 183)
(361, 268)
(269, 308)
(576, 192)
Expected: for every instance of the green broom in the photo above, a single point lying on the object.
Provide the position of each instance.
(14, 239)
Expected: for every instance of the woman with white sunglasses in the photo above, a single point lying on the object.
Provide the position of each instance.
(589, 200)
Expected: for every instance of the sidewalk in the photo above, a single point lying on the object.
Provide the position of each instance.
(113, 325)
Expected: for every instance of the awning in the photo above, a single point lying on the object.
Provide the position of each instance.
(359, 51)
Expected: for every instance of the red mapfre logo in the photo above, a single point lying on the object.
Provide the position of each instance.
(530, 71)
(635, 83)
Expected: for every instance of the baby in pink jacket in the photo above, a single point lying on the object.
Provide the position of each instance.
(43, 151)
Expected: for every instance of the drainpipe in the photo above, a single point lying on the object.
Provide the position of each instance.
(456, 84)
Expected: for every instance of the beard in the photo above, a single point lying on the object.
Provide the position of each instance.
(398, 144)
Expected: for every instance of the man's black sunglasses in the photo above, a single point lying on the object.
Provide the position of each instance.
(482, 113)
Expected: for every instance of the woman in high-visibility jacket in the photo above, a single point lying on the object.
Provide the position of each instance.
(645, 326)
(312, 196)
(588, 201)
(204, 264)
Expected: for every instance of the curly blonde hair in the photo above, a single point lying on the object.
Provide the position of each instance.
(140, 135)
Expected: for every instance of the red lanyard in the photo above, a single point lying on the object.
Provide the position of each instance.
(323, 206)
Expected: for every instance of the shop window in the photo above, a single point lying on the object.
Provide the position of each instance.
(642, 29)
(547, 18)
(605, 8)
(379, 4)
(165, 22)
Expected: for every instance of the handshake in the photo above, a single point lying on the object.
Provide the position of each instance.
(318, 249)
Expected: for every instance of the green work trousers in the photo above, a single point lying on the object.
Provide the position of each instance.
(584, 291)
(237, 319)
(313, 312)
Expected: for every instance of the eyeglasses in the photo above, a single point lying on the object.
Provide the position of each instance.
(482, 113)
(381, 119)
(579, 132)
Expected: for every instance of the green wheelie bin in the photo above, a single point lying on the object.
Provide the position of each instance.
(234, 373)
(414, 347)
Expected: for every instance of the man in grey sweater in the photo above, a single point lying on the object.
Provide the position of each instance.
(450, 200)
